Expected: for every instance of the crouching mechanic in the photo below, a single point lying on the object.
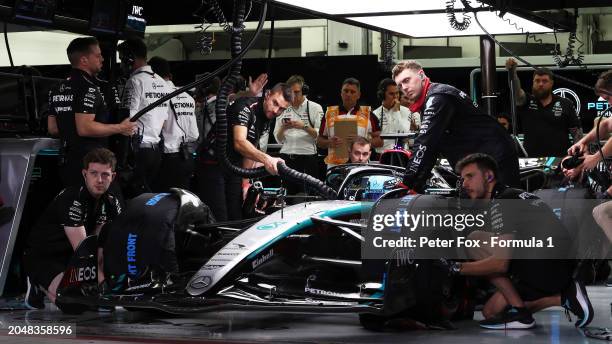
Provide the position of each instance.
(78, 211)
(525, 284)
(139, 249)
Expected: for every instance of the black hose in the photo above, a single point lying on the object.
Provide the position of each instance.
(512, 103)
(208, 77)
(8, 47)
(221, 114)
(525, 61)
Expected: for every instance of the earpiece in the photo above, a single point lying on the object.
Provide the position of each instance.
(305, 89)
(489, 178)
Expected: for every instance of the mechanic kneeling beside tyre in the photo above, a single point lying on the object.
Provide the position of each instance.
(526, 279)
(140, 246)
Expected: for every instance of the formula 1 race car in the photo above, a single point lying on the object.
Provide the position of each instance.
(302, 258)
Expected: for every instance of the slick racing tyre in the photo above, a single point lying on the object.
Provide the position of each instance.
(373, 322)
(71, 308)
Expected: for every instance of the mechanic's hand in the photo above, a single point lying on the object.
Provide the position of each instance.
(127, 128)
(297, 124)
(511, 64)
(271, 165)
(256, 87)
(335, 141)
(590, 161)
(577, 147)
(286, 125)
(396, 105)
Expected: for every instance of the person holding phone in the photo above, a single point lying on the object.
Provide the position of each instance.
(297, 130)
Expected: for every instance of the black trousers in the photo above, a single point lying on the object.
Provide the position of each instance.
(303, 163)
(175, 172)
(220, 190)
(148, 161)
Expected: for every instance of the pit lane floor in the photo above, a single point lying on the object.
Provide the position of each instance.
(267, 327)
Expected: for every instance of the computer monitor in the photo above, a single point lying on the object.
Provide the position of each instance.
(40, 92)
(39, 11)
(13, 107)
(105, 17)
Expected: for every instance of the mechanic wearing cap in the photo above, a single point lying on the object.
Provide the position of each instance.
(75, 213)
(297, 130)
(79, 111)
(547, 120)
(141, 89)
(451, 125)
(180, 133)
(527, 279)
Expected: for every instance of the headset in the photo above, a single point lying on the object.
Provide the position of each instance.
(382, 88)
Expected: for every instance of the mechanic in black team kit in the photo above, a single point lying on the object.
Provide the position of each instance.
(248, 118)
(546, 119)
(78, 211)
(527, 281)
(80, 111)
(451, 125)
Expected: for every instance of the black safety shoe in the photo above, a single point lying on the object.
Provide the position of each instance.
(511, 318)
(34, 297)
(575, 299)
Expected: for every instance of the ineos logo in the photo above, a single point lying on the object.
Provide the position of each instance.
(571, 95)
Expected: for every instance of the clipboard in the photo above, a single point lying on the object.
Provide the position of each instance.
(344, 128)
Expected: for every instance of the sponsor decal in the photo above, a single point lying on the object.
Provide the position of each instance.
(316, 291)
(429, 103)
(153, 201)
(571, 96)
(417, 158)
(77, 275)
(262, 259)
(272, 225)
(201, 282)
(600, 106)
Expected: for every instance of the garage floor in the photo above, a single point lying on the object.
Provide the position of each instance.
(240, 327)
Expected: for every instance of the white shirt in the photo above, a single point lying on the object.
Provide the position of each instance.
(181, 126)
(298, 141)
(143, 88)
(393, 122)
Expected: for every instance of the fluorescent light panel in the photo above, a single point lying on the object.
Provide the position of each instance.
(339, 7)
(437, 25)
(418, 25)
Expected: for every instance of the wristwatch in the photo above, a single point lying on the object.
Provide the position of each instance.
(305, 126)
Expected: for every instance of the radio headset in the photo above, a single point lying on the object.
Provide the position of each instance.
(380, 94)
